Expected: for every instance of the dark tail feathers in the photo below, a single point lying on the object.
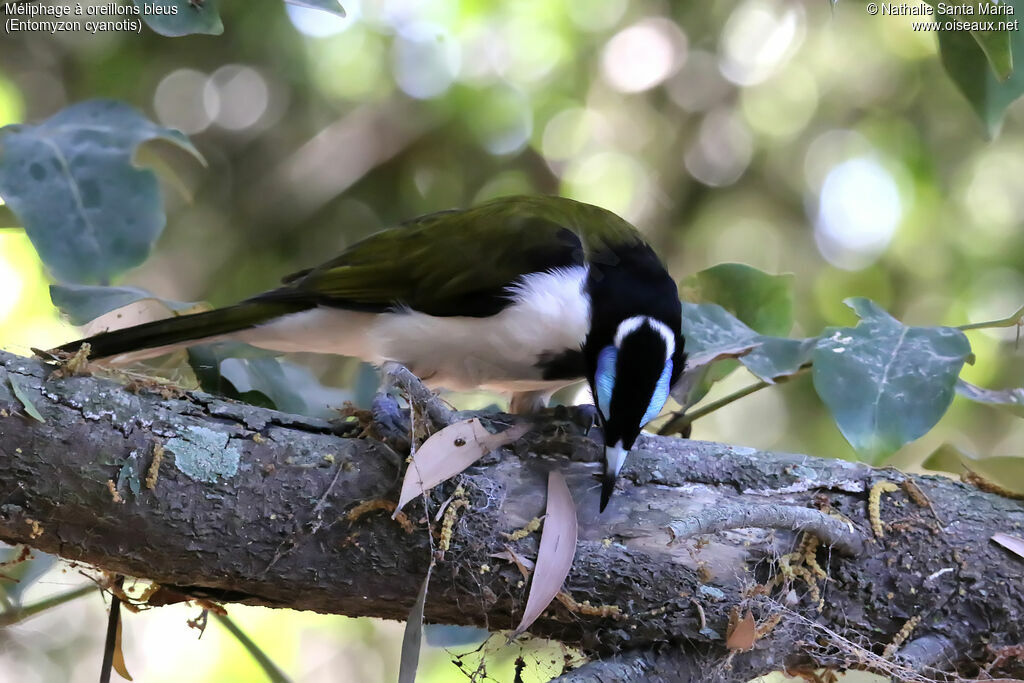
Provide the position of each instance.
(184, 328)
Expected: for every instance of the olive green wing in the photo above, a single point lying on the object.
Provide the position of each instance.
(449, 263)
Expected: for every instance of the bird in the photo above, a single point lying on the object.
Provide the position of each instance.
(521, 295)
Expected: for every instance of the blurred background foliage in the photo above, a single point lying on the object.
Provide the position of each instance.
(791, 136)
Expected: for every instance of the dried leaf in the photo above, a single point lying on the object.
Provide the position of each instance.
(118, 661)
(413, 637)
(557, 549)
(1014, 544)
(524, 564)
(449, 452)
(22, 396)
(741, 637)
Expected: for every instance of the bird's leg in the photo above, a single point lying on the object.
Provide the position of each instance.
(528, 402)
(420, 397)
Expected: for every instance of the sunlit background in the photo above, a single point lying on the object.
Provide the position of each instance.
(792, 136)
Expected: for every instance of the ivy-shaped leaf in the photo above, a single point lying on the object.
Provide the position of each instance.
(709, 327)
(761, 301)
(886, 384)
(981, 64)
(751, 297)
(1009, 399)
(175, 18)
(89, 211)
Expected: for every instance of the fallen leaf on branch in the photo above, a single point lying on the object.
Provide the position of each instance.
(557, 549)
(742, 636)
(449, 452)
(1014, 544)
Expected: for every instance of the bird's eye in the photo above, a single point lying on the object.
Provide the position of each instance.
(604, 378)
(660, 395)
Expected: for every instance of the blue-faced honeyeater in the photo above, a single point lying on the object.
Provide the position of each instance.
(521, 295)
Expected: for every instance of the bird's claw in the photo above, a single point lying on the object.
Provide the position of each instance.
(420, 397)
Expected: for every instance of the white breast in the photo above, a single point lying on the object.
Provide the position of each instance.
(549, 314)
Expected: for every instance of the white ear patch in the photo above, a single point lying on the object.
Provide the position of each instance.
(633, 324)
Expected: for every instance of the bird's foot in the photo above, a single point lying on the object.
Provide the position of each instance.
(389, 422)
(585, 415)
(421, 399)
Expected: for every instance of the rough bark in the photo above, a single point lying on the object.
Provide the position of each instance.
(251, 505)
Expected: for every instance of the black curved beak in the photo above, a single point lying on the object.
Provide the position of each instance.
(614, 456)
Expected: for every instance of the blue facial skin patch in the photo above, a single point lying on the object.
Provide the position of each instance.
(604, 378)
(660, 395)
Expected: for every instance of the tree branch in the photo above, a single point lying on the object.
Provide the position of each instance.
(260, 507)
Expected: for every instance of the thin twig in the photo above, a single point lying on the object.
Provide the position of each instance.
(831, 530)
(273, 672)
(112, 624)
(437, 412)
(18, 614)
(1010, 321)
(681, 419)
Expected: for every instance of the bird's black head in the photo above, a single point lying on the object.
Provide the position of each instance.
(634, 352)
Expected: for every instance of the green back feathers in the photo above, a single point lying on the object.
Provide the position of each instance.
(460, 262)
(451, 263)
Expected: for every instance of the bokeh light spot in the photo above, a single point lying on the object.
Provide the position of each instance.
(859, 209)
(759, 38)
(781, 106)
(180, 103)
(596, 15)
(698, 85)
(236, 96)
(612, 180)
(426, 60)
(643, 55)
(993, 195)
(503, 120)
(723, 149)
(568, 132)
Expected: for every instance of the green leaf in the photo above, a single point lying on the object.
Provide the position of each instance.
(1004, 470)
(763, 302)
(980, 63)
(709, 327)
(1010, 399)
(181, 17)
(22, 395)
(256, 376)
(266, 376)
(778, 357)
(332, 6)
(82, 303)
(70, 180)
(886, 384)
(995, 45)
